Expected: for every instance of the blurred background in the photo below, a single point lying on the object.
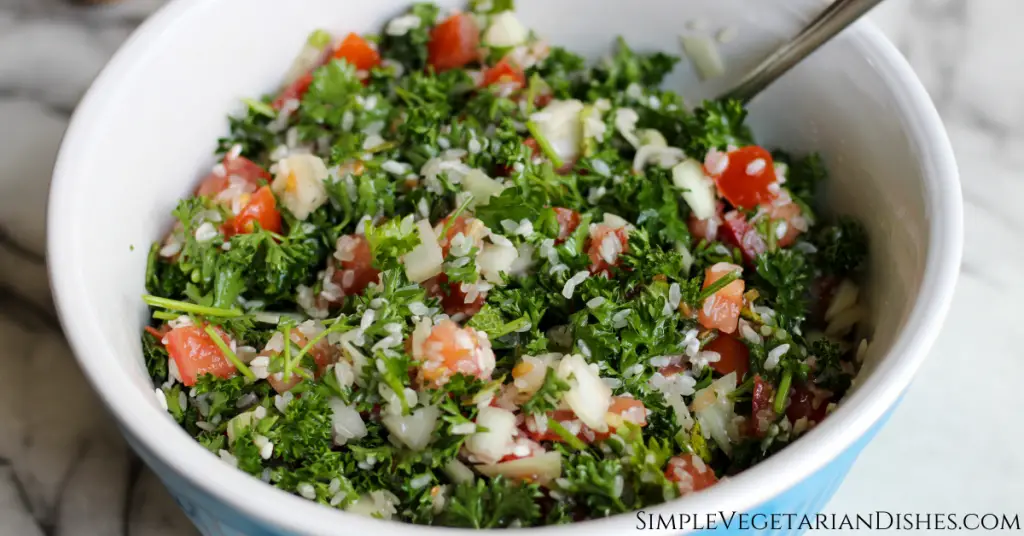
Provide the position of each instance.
(951, 446)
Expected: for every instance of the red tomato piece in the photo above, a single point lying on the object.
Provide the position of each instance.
(568, 220)
(671, 370)
(735, 231)
(295, 91)
(748, 179)
(453, 298)
(791, 214)
(195, 354)
(451, 349)
(735, 356)
(806, 401)
(690, 473)
(605, 246)
(721, 310)
(454, 43)
(261, 209)
(354, 269)
(358, 51)
(504, 72)
(762, 413)
(238, 166)
(460, 225)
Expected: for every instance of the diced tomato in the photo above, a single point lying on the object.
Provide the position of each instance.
(690, 473)
(747, 180)
(630, 409)
(195, 354)
(762, 413)
(535, 450)
(605, 246)
(451, 349)
(788, 213)
(504, 72)
(261, 209)
(238, 166)
(453, 298)
(460, 225)
(568, 220)
(734, 355)
(543, 99)
(806, 401)
(737, 232)
(295, 91)
(357, 51)
(354, 269)
(453, 43)
(721, 310)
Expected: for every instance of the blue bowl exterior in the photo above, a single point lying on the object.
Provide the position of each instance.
(215, 518)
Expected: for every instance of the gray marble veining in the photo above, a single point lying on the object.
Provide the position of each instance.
(64, 469)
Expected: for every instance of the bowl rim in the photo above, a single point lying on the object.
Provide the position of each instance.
(755, 486)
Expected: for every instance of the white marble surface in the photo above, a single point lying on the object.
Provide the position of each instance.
(952, 446)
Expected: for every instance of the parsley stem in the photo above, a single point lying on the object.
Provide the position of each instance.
(260, 107)
(531, 92)
(783, 392)
(454, 216)
(287, 353)
(570, 439)
(719, 284)
(544, 145)
(226, 350)
(164, 315)
(185, 307)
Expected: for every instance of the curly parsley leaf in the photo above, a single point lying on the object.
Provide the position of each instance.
(488, 504)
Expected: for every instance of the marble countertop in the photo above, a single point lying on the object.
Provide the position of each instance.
(951, 446)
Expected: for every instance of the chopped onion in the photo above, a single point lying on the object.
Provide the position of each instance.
(414, 430)
(529, 373)
(698, 190)
(425, 260)
(542, 468)
(588, 396)
(458, 471)
(625, 123)
(377, 503)
(615, 221)
(650, 136)
(493, 444)
(559, 123)
(704, 54)
(238, 424)
(300, 184)
(505, 31)
(494, 259)
(714, 410)
(346, 422)
(481, 186)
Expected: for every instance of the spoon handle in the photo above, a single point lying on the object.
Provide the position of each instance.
(837, 16)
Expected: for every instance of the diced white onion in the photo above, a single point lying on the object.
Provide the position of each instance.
(714, 410)
(426, 259)
(458, 471)
(505, 31)
(559, 123)
(481, 186)
(698, 190)
(413, 430)
(541, 468)
(300, 184)
(588, 396)
(494, 259)
(346, 422)
(495, 443)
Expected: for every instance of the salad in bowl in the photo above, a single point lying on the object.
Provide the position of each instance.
(449, 274)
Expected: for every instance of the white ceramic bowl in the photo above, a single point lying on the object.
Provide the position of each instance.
(146, 130)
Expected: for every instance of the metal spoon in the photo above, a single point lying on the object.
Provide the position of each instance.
(837, 16)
